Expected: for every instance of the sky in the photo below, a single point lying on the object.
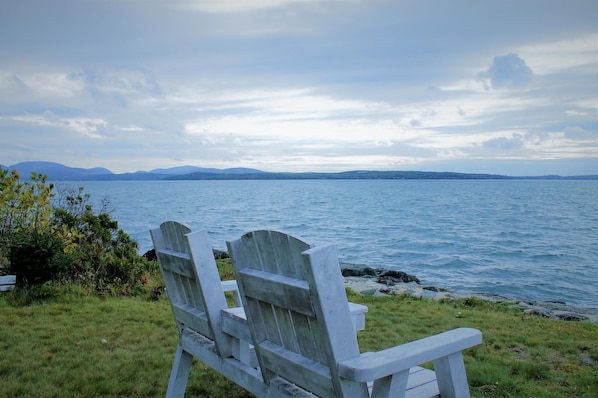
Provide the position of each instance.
(503, 87)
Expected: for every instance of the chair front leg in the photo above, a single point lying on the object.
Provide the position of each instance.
(394, 385)
(179, 374)
(452, 379)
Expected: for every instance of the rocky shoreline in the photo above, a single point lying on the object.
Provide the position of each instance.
(381, 282)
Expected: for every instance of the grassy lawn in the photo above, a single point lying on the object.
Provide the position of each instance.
(74, 347)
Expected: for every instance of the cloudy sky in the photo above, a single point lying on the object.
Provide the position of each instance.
(508, 87)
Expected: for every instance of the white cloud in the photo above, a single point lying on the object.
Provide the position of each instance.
(42, 84)
(580, 54)
(121, 81)
(90, 127)
(233, 6)
(132, 128)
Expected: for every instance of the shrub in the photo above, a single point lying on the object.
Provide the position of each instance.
(37, 257)
(44, 237)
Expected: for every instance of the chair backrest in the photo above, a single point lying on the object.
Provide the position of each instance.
(192, 282)
(297, 311)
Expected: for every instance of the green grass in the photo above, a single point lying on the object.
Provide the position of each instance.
(86, 346)
(521, 356)
(90, 347)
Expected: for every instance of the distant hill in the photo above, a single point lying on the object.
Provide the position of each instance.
(60, 172)
(347, 175)
(185, 170)
(182, 170)
(57, 171)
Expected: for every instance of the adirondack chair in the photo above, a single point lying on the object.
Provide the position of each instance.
(197, 298)
(208, 328)
(300, 324)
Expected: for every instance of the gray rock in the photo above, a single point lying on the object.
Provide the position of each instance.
(569, 316)
(384, 276)
(537, 311)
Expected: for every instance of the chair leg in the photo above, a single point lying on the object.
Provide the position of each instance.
(391, 386)
(179, 374)
(452, 379)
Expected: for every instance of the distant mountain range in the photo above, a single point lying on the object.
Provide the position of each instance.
(60, 172)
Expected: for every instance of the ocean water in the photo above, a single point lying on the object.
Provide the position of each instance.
(536, 240)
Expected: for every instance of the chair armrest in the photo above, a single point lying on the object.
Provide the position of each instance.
(375, 365)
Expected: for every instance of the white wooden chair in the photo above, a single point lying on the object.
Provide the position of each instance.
(208, 329)
(197, 298)
(301, 328)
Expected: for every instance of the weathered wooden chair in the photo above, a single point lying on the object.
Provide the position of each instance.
(197, 298)
(300, 324)
(208, 329)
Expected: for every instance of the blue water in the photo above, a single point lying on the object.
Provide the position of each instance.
(522, 239)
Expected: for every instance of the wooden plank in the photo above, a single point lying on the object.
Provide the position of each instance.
(337, 334)
(175, 262)
(358, 312)
(246, 255)
(289, 338)
(207, 290)
(306, 332)
(391, 386)
(174, 235)
(422, 383)
(452, 379)
(192, 319)
(300, 370)
(270, 251)
(265, 251)
(268, 323)
(419, 376)
(279, 290)
(287, 251)
(234, 322)
(7, 282)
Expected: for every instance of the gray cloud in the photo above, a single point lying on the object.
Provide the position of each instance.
(509, 71)
(504, 143)
(578, 133)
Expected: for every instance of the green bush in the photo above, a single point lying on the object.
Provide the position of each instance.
(37, 257)
(61, 238)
